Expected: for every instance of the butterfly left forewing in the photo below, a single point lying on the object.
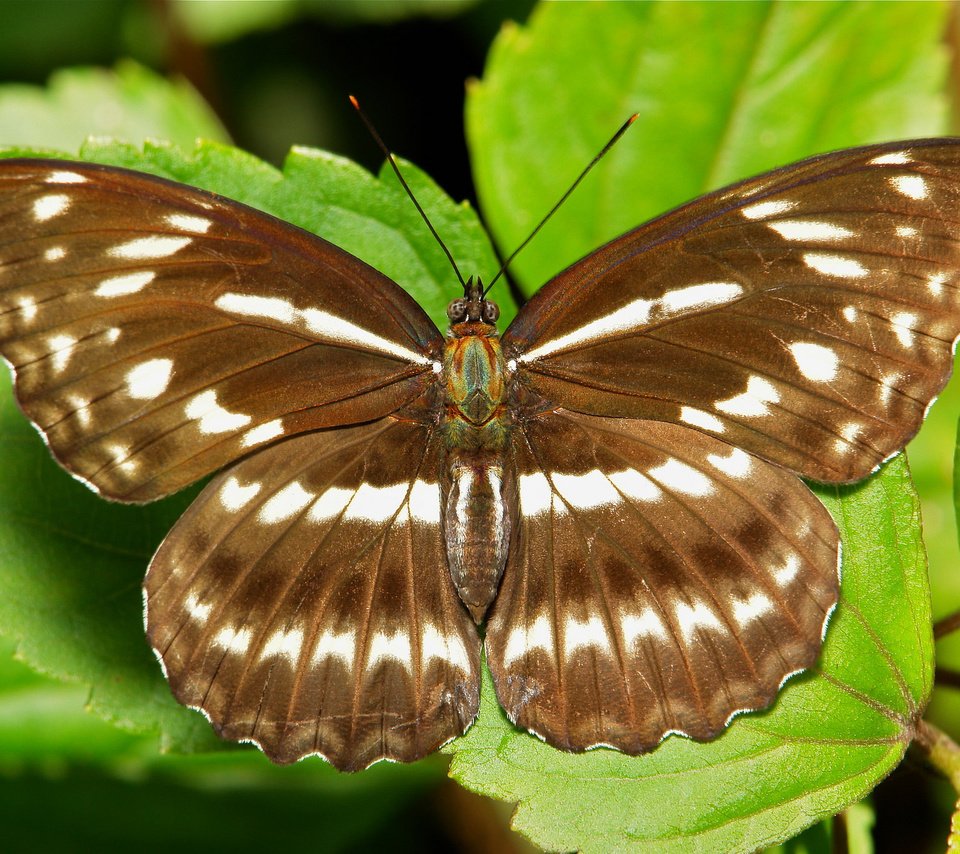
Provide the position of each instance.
(158, 332)
(302, 603)
(807, 315)
(660, 581)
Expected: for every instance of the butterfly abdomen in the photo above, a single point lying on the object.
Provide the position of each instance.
(477, 522)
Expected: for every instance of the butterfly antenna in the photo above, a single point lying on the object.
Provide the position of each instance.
(403, 183)
(613, 140)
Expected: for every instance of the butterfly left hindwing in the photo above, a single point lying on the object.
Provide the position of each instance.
(298, 602)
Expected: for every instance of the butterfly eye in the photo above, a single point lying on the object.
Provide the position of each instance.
(491, 312)
(457, 310)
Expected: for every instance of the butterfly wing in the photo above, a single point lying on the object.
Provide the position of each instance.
(158, 332)
(807, 315)
(660, 581)
(314, 615)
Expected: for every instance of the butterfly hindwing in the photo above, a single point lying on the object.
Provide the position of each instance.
(660, 581)
(302, 602)
(158, 332)
(807, 315)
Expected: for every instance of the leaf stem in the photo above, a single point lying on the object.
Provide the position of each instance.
(946, 625)
(941, 751)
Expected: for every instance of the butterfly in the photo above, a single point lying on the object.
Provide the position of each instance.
(609, 492)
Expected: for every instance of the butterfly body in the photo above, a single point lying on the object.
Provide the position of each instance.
(611, 486)
(476, 429)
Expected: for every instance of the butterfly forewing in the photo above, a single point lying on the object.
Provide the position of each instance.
(661, 581)
(158, 332)
(807, 315)
(301, 603)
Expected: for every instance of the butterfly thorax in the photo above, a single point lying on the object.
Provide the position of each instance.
(477, 522)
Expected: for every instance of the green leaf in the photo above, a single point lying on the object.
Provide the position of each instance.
(130, 103)
(223, 20)
(831, 736)
(723, 91)
(70, 563)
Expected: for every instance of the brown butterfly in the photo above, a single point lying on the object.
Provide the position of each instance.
(611, 486)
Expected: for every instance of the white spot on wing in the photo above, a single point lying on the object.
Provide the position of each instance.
(233, 495)
(834, 265)
(232, 640)
(341, 645)
(850, 313)
(61, 350)
(888, 386)
(633, 315)
(700, 296)
(762, 210)
(128, 283)
(816, 362)
(330, 504)
(196, 609)
(935, 283)
(149, 379)
(699, 418)
(47, 207)
(679, 477)
(753, 402)
(785, 574)
(262, 433)
(737, 464)
(27, 307)
(425, 502)
(54, 253)
(635, 485)
(384, 647)
(62, 176)
(911, 186)
(809, 229)
(536, 496)
(906, 231)
(848, 433)
(376, 503)
(284, 644)
(148, 248)
(524, 639)
(449, 648)
(585, 491)
(747, 610)
(211, 417)
(287, 502)
(589, 633)
(645, 624)
(321, 323)
(893, 158)
(272, 308)
(187, 222)
(697, 616)
(903, 323)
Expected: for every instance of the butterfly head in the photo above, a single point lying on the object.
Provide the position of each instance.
(472, 307)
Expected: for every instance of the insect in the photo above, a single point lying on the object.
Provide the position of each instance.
(611, 488)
